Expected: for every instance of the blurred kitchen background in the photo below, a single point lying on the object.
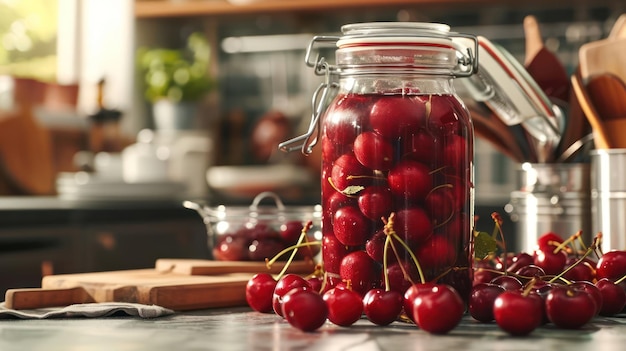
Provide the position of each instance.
(95, 176)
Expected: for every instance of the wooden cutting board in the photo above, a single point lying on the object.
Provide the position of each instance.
(145, 286)
(210, 267)
(178, 284)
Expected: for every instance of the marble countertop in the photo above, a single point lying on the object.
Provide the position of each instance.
(242, 329)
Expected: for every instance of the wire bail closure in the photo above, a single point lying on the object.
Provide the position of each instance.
(467, 62)
(308, 140)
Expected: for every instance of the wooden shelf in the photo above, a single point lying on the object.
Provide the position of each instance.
(187, 8)
(182, 8)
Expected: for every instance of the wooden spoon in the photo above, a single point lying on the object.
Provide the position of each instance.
(584, 100)
(608, 95)
(603, 56)
(543, 65)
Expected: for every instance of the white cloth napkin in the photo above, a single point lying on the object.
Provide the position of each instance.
(88, 310)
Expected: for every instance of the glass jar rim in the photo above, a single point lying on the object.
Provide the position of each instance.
(396, 33)
(403, 29)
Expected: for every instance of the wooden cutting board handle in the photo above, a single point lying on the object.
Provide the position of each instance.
(31, 298)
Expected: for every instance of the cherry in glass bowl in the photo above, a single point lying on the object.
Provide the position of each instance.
(260, 231)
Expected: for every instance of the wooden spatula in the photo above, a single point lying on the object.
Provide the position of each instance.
(608, 94)
(543, 65)
(601, 140)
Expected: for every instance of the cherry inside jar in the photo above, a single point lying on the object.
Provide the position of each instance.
(397, 146)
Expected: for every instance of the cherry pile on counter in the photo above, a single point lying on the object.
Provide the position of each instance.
(563, 283)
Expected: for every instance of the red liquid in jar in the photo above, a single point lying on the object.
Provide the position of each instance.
(406, 154)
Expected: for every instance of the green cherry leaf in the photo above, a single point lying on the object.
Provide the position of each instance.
(484, 245)
(352, 189)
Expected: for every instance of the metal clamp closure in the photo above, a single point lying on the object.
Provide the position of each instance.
(308, 140)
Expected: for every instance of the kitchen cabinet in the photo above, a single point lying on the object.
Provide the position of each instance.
(26, 254)
(139, 244)
(41, 236)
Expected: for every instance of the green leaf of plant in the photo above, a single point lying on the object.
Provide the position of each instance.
(484, 245)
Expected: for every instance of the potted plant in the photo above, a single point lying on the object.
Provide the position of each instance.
(175, 80)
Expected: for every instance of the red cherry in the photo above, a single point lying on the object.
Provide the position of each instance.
(517, 313)
(362, 272)
(481, 301)
(484, 275)
(345, 118)
(444, 110)
(375, 202)
(350, 226)
(413, 225)
(290, 231)
(304, 309)
(436, 253)
(528, 272)
(398, 279)
(613, 297)
(348, 171)
(393, 116)
(583, 271)
(455, 151)
(283, 286)
(438, 310)
(335, 201)
(419, 146)
(373, 151)
(259, 292)
(460, 189)
(231, 248)
(331, 150)
(410, 179)
(345, 306)
(375, 247)
(549, 239)
(412, 293)
(440, 204)
(551, 262)
(508, 282)
(333, 251)
(611, 265)
(518, 261)
(316, 283)
(382, 307)
(592, 290)
(259, 250)
(569, 307)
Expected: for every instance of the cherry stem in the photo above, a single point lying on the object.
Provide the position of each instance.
(599, 252)
(590, 249)
(405, 274)
(566, 242)
(385, 264)
(389, 231)
(294, 248)
(620, 279)
(529, 286)
(498, 225)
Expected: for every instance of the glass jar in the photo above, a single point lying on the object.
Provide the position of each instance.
(396, 139)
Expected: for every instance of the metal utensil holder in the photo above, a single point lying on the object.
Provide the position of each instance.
(550, 198)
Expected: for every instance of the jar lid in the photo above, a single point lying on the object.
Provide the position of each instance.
(396, 33)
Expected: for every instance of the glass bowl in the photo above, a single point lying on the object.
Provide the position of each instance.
(259, 232)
